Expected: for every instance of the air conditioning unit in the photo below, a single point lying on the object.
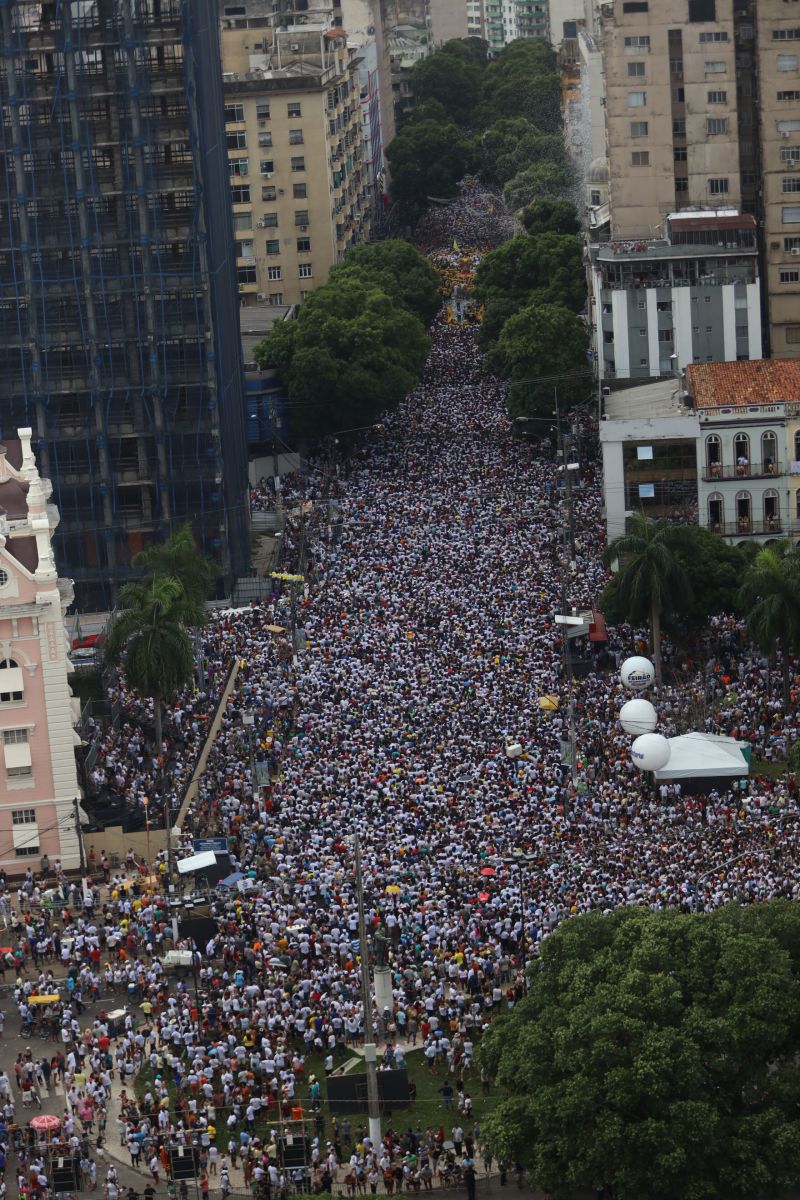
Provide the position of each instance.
(795, 250)
(261, 295)
(302, 228)
(295, 47)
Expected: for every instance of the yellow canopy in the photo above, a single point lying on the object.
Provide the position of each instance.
(44, 999)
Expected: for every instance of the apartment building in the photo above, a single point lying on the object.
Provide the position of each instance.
(499, 22)
(295, 157)
(691, 295)
(38, 779)
(119, 341)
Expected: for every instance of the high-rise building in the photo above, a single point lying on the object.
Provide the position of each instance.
(120, 343)
(703, 111)
(293, 129)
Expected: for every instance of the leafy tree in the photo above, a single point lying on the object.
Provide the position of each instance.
(546, 269)
(547, 215)
(523, 81)
(179, 557)
(540, 179)
(352, 353)
(511, 145)
(771, 597)
(148, 637)
(427, 158)
(655, 1056)
(452, 80)
(652, 577)
(400, 270)
(536, 346)
(470, 49)
(714, 570)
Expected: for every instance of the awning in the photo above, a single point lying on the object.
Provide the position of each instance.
(17, 754)
(597, 629)
(197, 862)
(11, 680)
(704, 756)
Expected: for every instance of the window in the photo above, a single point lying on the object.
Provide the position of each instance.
(676, 67)
(15, 737)
(790, 154)
(305, 295)
(788, 126)
(295, 137)
(713, 449)
(791, 243)
(640, 158)
(23, 816)
(709, 328)
(234, 112)
(682, 185)
(702, 10)
(269, 220)
(242, 221)
(305, 271)
(299, 191)
(246, 274)
(678, 95)
(303, 245)
(276, 297)
(718, 187)
(635, 6)
(236, 140)
(595, 198)
(717, 97)
(786, 35)
(293, 109)
(639, 128)
(716, 125)
(636, 69)
(638, 42)
(741, 331)
(240, 193)
(265, 141)
(787, 62)
(298, 164)
(716, 511)
(24, 832)
(790, 214)
(266, 166)
(679, 154)
(11, 686)
(238, 166)
(274, 273)
(713, 35)
(679, 127)
(716, 68)
(790, 183)
(665, 335)
(273, 247)
(301, 216)
(789, 276)
(244, 249)
(637, 99)
(269, 192)
(262, 110)
(789, 95)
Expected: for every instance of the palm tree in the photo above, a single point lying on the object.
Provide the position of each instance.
(771, 595)
(179, 557)
(148, 637)
(651, 578)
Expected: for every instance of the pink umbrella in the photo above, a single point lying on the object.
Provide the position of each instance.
(46, 1121)
(488, 871)
(483, 897)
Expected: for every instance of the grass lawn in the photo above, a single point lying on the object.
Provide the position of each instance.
(773, 770)
(428, 1109)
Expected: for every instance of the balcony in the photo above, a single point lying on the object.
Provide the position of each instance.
(747, 526)
(718, 471)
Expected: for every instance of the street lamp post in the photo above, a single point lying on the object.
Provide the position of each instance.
(370, 1052)
(521, 861)
(249, 721)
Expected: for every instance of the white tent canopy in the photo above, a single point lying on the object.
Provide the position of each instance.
(704, 756)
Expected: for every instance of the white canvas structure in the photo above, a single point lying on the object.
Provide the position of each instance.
(704, 756)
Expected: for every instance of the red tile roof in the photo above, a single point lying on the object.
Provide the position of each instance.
(739, 384)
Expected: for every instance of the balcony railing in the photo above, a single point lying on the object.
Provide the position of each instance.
(772, 470)
(747, 526)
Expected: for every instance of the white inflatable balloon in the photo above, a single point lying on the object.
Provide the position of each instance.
(650, 752)
(637, 673)
(638, 716)
(513, 750)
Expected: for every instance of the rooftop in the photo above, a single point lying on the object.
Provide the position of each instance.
(744, 384)
(659, 399)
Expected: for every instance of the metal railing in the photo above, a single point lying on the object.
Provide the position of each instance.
(712, 471)
(745, 526)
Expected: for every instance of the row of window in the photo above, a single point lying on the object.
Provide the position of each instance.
(639, 99)
(636, 70)
(235, 112)
(240, 192)
(248, 274)
(642, 41)
(714, 127)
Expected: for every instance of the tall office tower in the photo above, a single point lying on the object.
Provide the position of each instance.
(118, 308)
(777, 29)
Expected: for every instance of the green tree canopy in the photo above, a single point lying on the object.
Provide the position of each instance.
(652, 577)
(541, 270)
(538, 344)
(400, 270)
(714, 570)
(770, 595)
(148, 637)
(452, 80)
(179, 557)
(523, 81)
(512, 144)
(655, 1056)
(540, 179)
(548, 215)
(351, 354)
(471, 49)
(427, 158)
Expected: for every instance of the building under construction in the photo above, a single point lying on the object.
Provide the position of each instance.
(119, 331)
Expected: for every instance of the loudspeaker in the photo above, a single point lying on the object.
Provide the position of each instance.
(184, 1162)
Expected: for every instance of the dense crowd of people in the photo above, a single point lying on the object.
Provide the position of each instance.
(428, 609)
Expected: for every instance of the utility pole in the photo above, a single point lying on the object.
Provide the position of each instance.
(370, 1052)
(570, 530)
(79, 834)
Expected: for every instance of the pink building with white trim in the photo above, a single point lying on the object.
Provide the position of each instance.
(38, 777)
